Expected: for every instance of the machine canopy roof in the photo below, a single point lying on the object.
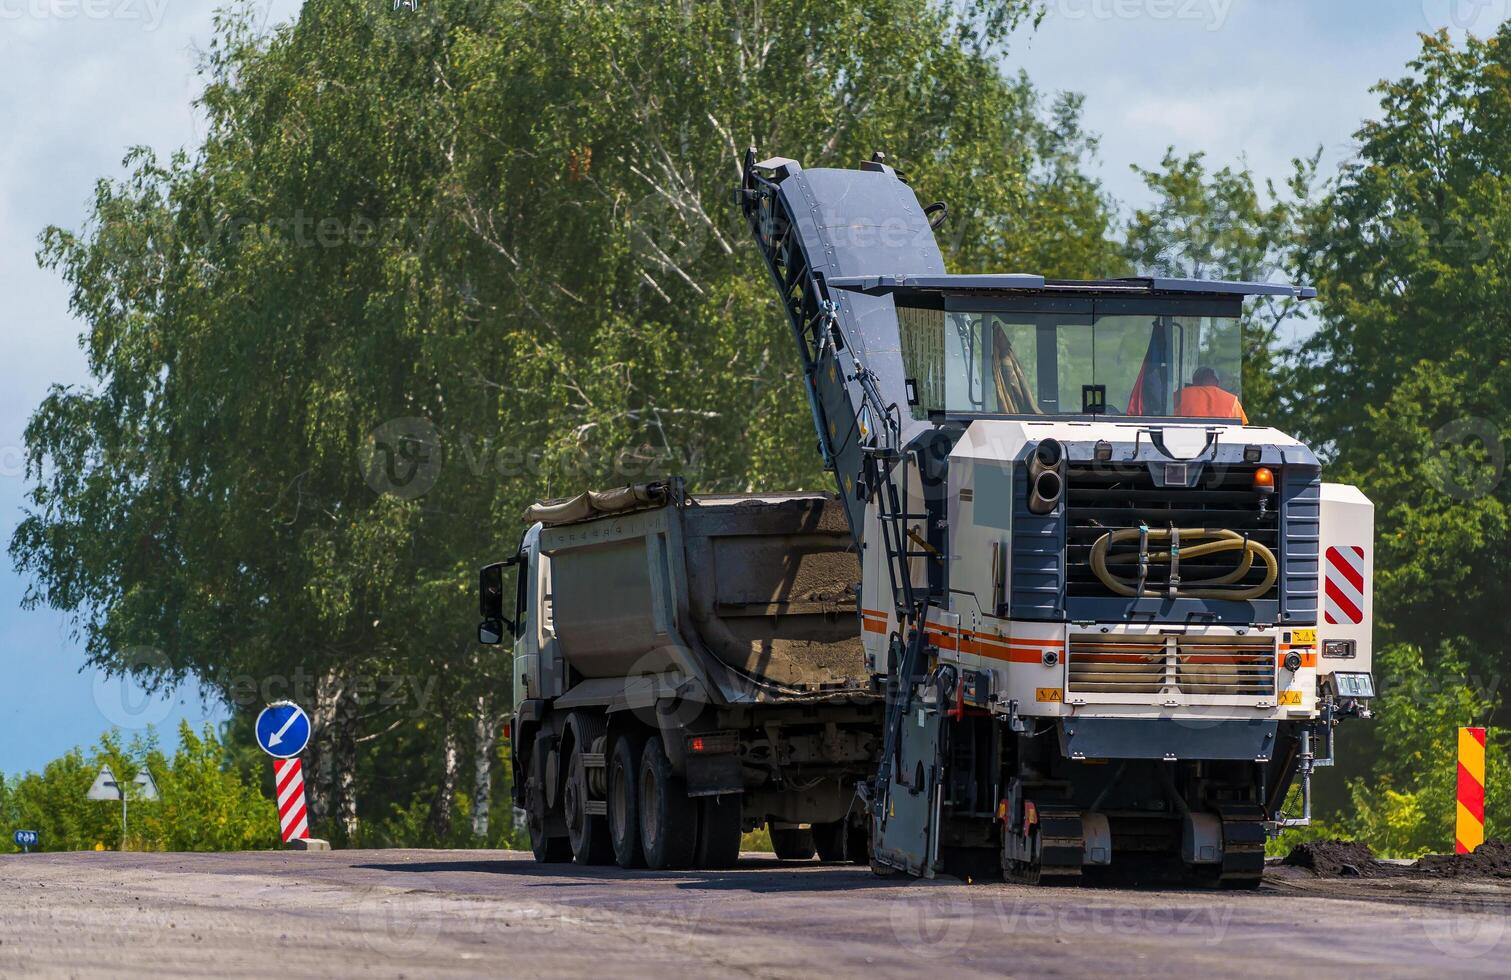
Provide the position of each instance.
(1018, 281)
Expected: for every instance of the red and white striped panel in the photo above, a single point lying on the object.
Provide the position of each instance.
(288, 777)
(1344, 586)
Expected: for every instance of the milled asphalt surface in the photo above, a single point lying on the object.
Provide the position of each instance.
(472, 913)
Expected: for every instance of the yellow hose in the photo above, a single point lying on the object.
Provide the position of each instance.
(1216, 540)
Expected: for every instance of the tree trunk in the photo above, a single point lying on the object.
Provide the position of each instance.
(346, 764)
(485, 741)
(322, 780)
(445, 794)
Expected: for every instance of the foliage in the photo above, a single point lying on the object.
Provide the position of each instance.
(410, 824)
(202, 805)
(52, 803)
(428, 266)
(1404, 383)
(1216, 225)
(205, 806)
(1408, 807)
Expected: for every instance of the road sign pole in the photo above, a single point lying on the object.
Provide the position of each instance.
(283, 731)
(1469, 827)
(293, 816)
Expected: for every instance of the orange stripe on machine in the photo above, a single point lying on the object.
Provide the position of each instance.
(1010, 649)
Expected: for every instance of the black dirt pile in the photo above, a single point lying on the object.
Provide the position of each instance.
(1335, 859)
(1491, 859)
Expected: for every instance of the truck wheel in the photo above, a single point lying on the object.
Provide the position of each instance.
(792, 843)
(719, 831)
(624, 802)
(547, 849)
(588, 832)
(860, 844)
(832, 840)
(668, 816)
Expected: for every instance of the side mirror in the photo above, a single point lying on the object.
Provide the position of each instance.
(490, 591)
(490, 632)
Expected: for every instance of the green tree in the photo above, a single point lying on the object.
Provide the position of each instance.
(1218, 225)
(1404, 383)
(428, 266)
(1409, 805)
(203, 804)
(52, 803)
(1403, 390)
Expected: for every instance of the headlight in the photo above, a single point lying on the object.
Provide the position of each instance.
(1350, 684)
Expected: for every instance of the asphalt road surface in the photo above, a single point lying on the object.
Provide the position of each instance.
(463, 913)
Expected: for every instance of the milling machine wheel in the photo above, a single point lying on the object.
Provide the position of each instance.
(832, 840)
(859, 847)
(843, 842)
(1243, 839)
(1058, 848)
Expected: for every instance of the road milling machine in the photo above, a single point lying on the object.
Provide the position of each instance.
(1114, 623)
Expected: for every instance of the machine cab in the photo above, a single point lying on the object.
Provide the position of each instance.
(1105, 349)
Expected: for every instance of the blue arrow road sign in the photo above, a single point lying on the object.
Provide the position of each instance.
(25, 838)
(283, 730)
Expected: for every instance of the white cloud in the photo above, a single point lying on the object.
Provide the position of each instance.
(1266, 81)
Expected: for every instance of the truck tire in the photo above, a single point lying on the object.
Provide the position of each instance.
(719, 831)
(793, 843)
(587, 832)
(860, 843)
(547, 849)
(624, 801)
(832, 841)
(668, 816)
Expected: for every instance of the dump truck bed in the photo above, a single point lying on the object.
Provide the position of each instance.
(752, 597)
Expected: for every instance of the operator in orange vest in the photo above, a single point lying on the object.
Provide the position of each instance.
(1202, 398)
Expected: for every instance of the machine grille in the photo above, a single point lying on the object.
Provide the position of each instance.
(1109, 666)
(1106, 497)
(1172, 666)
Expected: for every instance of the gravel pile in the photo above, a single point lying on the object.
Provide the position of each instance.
(1335, 859)
(1351, 859)
(1491, 859)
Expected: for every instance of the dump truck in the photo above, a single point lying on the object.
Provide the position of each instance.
(1114, 623)
(687, 668)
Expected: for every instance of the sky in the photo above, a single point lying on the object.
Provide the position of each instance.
(1251, 82)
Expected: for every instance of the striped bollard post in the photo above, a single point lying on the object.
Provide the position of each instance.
(293, 817)
(1469, 830)
(283, 732)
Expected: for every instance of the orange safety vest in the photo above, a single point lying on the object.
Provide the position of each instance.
(1208, 402)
